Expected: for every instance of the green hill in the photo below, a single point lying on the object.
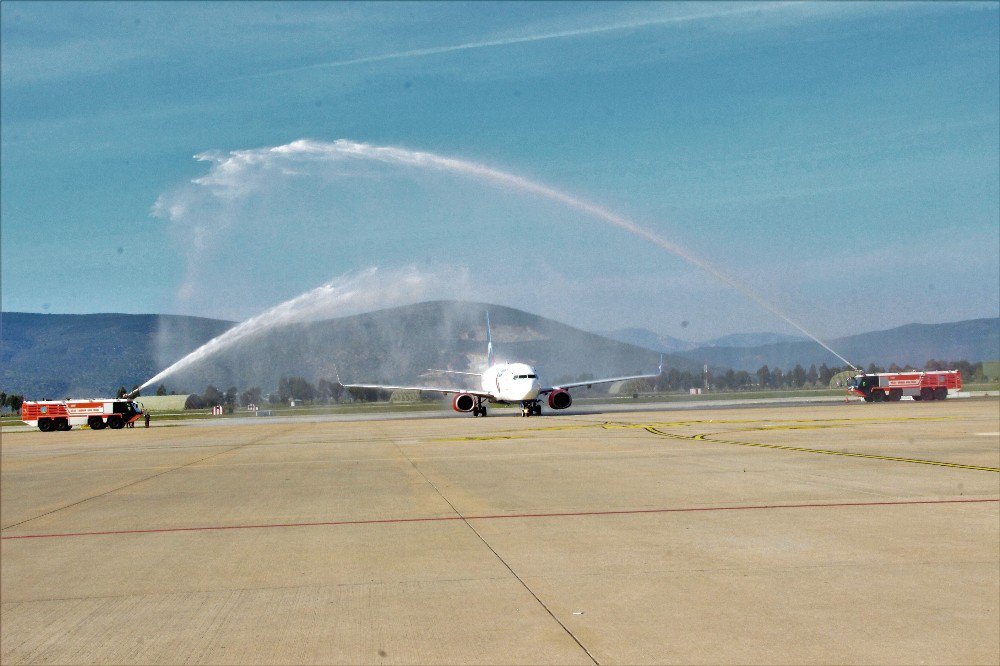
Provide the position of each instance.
(60, 355)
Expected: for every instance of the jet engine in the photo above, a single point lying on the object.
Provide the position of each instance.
(560, 399)
(463, 402)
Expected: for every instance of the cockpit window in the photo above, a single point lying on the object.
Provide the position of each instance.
(525, 376)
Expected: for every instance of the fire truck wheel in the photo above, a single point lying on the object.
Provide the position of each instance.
(868, 398)
(96, 423)
(927, 393)
(917, 398)
(60, 424)
(878, 396)
(940, 393)
(116, 422)
(896, 394)
(44, 425)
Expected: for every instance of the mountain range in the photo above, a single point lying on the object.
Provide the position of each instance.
(54, 355)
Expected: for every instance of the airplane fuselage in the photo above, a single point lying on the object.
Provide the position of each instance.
(511, 382)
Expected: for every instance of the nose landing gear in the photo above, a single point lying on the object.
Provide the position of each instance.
(531, 408)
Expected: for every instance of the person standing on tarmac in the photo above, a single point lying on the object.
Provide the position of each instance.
(147, 418)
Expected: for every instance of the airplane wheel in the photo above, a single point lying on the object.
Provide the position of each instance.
(538, 410)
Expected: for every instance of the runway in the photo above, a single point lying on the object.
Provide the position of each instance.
(817, 533)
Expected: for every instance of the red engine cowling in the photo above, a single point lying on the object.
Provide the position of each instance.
(560, 399)
(463, 402)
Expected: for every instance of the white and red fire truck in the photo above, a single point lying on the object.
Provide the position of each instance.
(927, 385)
(98, 413)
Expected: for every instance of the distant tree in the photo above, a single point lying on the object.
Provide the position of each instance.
(329, 391)
(212, 396)
(797, 376)
(727, 381)
(295, 388)
(161, 390)
(742, 379)
(778, 378)
(14, 402)
(194, 401)
(895, 368)
(121, 392)
(825, 373)
(764, 376)
(367, 394)
(250, 397)
(812, 376)
(3, 399)
(232, 393)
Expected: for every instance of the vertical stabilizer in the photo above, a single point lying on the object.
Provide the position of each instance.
(489, 342)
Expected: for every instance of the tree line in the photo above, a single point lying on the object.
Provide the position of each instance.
(325, 392)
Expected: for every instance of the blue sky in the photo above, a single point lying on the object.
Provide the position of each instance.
(841, 160)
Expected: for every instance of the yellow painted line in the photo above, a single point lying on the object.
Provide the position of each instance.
(477, 438)
(801, 449)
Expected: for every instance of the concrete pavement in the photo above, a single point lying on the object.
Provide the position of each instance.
(812, 534)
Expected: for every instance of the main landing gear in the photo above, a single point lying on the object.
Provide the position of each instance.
(480, 408)
(531, 408)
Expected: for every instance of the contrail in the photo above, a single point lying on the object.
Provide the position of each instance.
(510, 41)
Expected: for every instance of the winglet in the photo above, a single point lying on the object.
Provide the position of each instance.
(489, 342)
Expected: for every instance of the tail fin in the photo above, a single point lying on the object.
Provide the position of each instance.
(489, 342)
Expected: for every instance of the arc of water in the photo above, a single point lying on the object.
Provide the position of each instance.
(295, 308)
(415, 158)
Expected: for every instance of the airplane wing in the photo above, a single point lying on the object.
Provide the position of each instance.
(609, 380)
(432, 371)
(429, 389)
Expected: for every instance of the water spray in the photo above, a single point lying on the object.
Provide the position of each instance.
(393, 155)
(227, 170)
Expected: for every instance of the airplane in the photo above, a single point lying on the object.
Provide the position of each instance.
(506, 383)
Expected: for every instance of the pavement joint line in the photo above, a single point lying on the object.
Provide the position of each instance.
(516, 516)
(134, 483)
(486, 543)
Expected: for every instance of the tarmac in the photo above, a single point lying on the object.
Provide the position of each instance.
(816, 533)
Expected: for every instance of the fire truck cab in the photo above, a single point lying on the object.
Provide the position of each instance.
(50, 415)
(885, 386)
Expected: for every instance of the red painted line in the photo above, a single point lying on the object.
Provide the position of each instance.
(568, 514)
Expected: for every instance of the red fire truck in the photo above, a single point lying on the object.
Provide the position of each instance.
(883, 386)
(98, 413)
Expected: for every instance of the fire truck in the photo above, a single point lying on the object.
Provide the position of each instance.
(885, 386)
(50, 415)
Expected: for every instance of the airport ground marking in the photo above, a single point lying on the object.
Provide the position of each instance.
(656, 428)
(702, 437)
(515, 516)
